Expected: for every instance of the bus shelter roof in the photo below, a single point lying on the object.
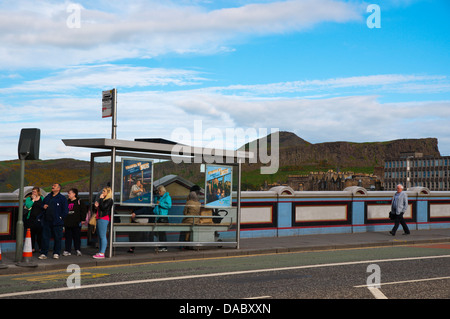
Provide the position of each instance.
(156, 148)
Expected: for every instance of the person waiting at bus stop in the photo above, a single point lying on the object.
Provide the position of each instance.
(32, 217)
(192, 207)
(55, 210)
(163, 202)
(104, 207)
(72, 223)
(136, 218)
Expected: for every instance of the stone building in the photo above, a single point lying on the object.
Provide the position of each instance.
(417, 170)
(333, 181)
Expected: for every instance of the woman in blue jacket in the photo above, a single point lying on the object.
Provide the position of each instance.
(162, 206)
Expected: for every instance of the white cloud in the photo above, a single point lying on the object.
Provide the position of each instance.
(37, 35)
(101, 76)
(382, 82)
(104, 76)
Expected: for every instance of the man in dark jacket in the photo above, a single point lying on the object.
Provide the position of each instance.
(55, 209)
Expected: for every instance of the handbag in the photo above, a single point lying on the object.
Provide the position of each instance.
(205, 212)
(391, 215)
(93, 222)
(218, 217)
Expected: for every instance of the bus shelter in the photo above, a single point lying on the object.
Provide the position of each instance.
(203, 229)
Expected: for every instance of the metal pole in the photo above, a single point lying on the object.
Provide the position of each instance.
(113, 169)
(91, 204)
(408, 172)
(19, 226)
(238, 228)
(111, 223)
(114, 115)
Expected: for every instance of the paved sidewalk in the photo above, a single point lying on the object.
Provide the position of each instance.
(248, 246)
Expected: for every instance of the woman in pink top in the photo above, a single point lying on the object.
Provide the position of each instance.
(103, 206)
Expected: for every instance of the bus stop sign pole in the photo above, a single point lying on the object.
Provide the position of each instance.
(28, 150)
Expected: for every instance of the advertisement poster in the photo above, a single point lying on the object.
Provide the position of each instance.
(137, 182)
(218, 186)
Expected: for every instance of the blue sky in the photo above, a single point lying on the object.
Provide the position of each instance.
(312, 67)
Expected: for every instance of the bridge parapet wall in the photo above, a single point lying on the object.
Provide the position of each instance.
(283, 212)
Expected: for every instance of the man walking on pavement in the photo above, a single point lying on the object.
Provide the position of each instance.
(398, 207)
(55, 209)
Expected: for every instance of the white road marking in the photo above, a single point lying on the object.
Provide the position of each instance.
(377, 293)
(215, 275)
(405, 281)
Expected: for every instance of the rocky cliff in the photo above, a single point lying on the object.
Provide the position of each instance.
(296, 151)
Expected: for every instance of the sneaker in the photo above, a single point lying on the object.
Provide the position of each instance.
(55, 256)
(79, 253)
(99, 256)
(162, 249)
(66, 253)
(42, 257)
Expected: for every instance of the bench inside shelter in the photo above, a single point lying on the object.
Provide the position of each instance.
(202, 230)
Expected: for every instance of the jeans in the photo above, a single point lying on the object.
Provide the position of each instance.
(48, 230)
(102, 228)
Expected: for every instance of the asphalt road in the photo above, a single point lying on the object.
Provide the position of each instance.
(406, 272)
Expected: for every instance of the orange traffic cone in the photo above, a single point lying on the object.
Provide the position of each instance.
(1, 264)
(27, 254)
